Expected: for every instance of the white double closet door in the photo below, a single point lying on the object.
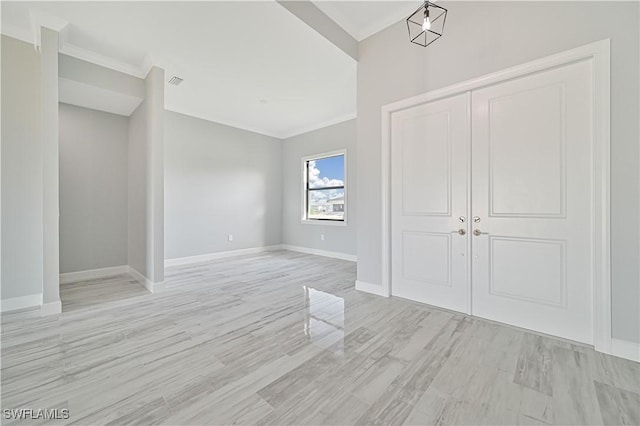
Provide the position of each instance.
(491, 209)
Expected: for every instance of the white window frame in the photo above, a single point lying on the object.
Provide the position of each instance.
(303, 202)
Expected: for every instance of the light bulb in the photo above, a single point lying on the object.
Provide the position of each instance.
(426, 24)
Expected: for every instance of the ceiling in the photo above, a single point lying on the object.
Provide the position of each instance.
(364, 18)
(251, 65)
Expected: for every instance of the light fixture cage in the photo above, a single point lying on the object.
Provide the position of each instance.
(437, 16)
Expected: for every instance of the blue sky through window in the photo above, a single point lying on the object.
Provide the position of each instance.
(331, 167)
(325, 172)
(326, 204)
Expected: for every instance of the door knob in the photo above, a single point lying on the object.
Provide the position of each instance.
(461, 231)
(461, 219)
(477, 232)
(476, 219)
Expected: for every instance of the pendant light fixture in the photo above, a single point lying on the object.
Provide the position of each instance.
(426, 24)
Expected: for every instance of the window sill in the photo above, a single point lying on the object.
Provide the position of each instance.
(324, 222)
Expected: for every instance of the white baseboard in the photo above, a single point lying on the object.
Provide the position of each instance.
(156, 287)
(179, 261)
(92, 274)
(146, 282)
(370, 288)
(333, 254)
(625, 349)
(52, 308)
(23, 302)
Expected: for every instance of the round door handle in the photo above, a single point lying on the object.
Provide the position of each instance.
(461, 231)
(477, 232)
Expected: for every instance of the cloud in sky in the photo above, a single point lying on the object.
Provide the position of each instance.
(315, 181)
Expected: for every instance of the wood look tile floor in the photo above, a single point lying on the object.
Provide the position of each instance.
(283, 338)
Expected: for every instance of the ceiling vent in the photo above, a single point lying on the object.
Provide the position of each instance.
(175, 80)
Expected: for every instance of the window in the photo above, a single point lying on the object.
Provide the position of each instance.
(324, 187)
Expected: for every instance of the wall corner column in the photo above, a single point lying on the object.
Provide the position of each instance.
(50, 172)
(155, 132)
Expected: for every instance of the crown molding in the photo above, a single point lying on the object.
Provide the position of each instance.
(335, 14)
(225, 122)
(72, 50)
(276, 135)
(106, 61)
(320, 125)
(17, 33)
(386, 21)
(147, 64)
(376, 25)
(39, 20)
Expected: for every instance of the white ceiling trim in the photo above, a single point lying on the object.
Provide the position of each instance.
(41, 19)
(81, 53)
(281, 136)
(328, 123)
(230, 123)
(18, 34)
(386, 21)
(106, 61)
(334, 12)
(339, 18)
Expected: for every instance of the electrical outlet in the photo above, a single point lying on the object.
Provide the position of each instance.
(321, 237)
(230, 237)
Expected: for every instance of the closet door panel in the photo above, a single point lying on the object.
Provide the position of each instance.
(532, 176)
(429, 193)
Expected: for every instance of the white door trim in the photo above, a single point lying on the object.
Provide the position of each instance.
(599, 53)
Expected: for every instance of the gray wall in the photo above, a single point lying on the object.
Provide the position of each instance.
(146, 181)
(483, 37)
(340, 239)
(154, 90)
(22, 243)
(93, 189)
(137, 190)
(49, 46)
(219, 180)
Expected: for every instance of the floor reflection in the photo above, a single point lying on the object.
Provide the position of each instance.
(324, 319)
(99, 291)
